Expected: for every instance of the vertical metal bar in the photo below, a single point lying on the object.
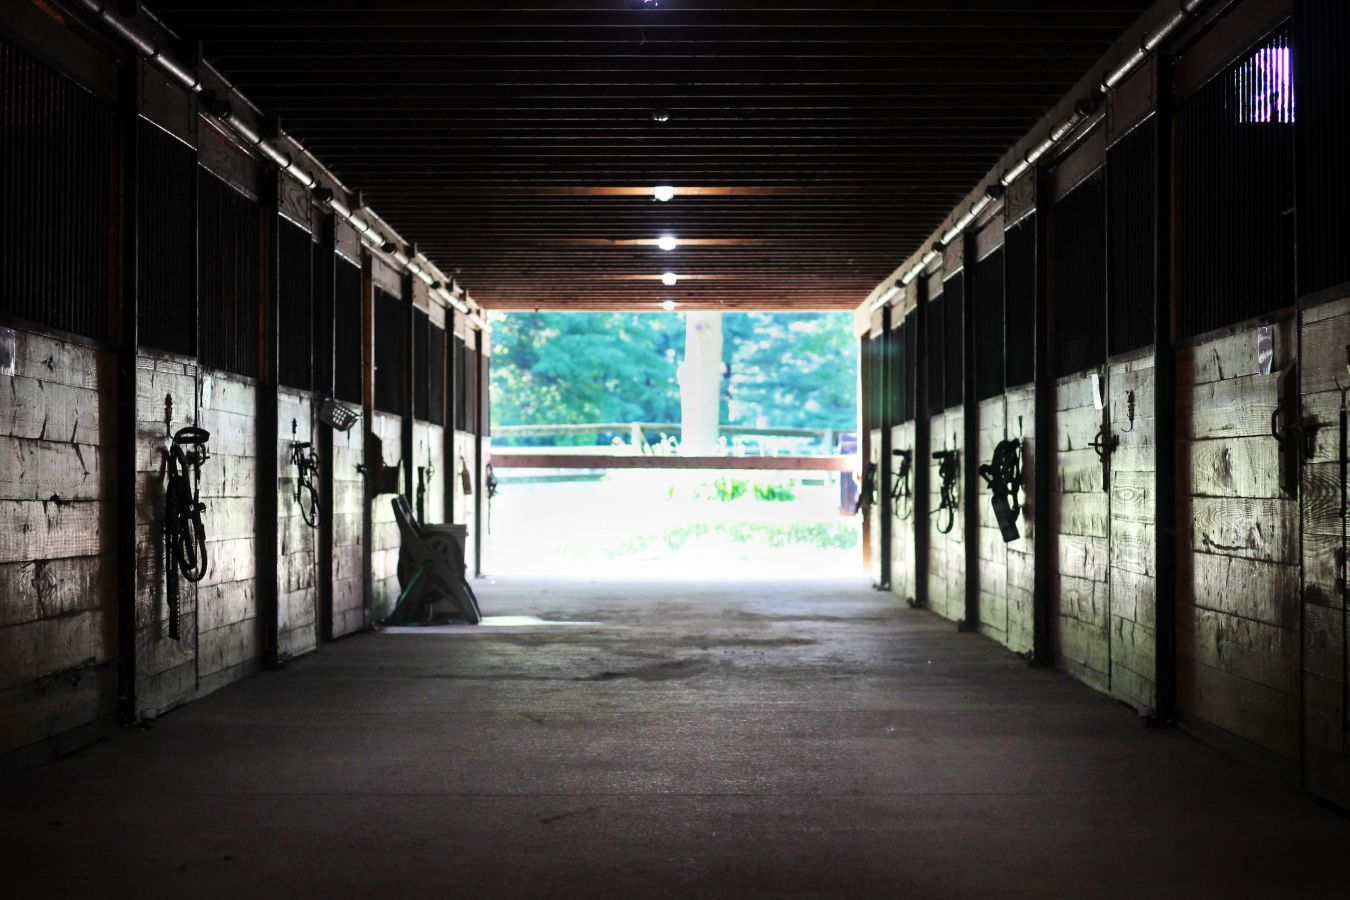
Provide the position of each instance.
(266, 512)
(970, 419)
(922, 440)
(865, 440)
(479, 489)
(409, 373)
(448, 425)
(126, 401)
(324, 313)
(374, 467)
(886, 420)
(1164, 411)
(1043, 549)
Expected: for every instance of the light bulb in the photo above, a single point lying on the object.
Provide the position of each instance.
(669, 279)
(667, 242)
(668, 305)
(664, 192)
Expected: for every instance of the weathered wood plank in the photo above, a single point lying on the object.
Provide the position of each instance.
(1252, 529)
(1246, 648)
(1079, 514)
(55, 361)
(45, 411)
(1248, 709)
(49, 530)
(1233, 356)
(1247, 588)
(1235, 467)
(1236, 407)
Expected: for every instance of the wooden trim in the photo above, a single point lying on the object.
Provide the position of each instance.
(1077, 166)
(1130, 104)
(1240, 27)
(990, 237)
(507, 459)
(970, 447)
(922, 437)
(61, 49)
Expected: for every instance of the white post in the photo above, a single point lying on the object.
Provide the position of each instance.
(700, 376)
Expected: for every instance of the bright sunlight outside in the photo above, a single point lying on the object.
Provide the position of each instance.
(587, 391)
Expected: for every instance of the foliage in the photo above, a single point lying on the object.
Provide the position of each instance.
(729, 488)
(790, 370)
(774, 493)
(558, 368)
(786, 370)
(817, 535)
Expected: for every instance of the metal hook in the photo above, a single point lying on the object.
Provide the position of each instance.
(1129, 411)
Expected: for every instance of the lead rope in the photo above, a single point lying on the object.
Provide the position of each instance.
(902, 495)
(1003, 474)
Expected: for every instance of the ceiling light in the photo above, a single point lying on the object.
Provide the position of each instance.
(664, 192)
(660, 115)
(669, 279)
(668, 305)
(667, 242)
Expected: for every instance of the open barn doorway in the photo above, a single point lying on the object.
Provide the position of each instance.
(712, 444)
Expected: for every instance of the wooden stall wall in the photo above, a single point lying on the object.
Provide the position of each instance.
(1237, 559)
(429, 444)
(946, 555)
(1132, 589)
(1079, 514)
(903, 570)
(484, 449)
(384, 537)
(1325, 372)
(465, 464)
(166, 400)
(58, 617)
(1019, 556)
(349, 495)
(346, 469)
(297, 542)
(229, 633)
(992, 551)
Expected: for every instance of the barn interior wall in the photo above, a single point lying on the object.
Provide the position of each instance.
(76, 655)
(1259, 584)
(58, 611)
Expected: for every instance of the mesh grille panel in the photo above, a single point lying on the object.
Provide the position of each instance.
(953, 327)
(1019, 248)
(1078, 278)
(911, 336)
(1235, 169)
(390, 323)
(457, 366)
(1322, 34)
(436, 374)
(895, 406)
(936, 368)
(166, 219)
(229, 281)
(421, 369)
(347, 331)
(295, 300)
(988, 325)
(1131, 193)
(56, 170)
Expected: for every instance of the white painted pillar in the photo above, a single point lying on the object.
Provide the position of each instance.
(700, 376)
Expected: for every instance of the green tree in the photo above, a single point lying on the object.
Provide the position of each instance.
(558, 368)
(791, 370)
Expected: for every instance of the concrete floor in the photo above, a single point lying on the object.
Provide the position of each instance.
(726, 740)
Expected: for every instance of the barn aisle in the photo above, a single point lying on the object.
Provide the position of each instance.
(660, 738)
